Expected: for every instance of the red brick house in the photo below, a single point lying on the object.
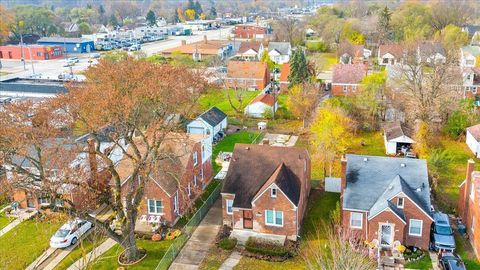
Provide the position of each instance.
(386, 200)
(346, 78)
(283, 80)
(176, 181)
(37, 52)
(265, 191)
(469, 206)
(247, 75)
(250, 31)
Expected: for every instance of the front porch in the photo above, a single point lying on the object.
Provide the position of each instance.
(243, 235)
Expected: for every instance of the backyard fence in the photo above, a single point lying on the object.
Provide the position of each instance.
(187, 231)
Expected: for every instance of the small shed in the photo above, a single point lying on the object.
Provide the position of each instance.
(473, 139)
(395, 138)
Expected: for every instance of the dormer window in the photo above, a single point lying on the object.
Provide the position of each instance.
(273, 192)
(400, 202)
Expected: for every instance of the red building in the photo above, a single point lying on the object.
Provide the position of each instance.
(250, 31)
(36, 52)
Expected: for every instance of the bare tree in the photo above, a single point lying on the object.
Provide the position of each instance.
(289, 29)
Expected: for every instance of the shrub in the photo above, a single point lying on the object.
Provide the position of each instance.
(227, 243)
(266, 247)
(316, 46)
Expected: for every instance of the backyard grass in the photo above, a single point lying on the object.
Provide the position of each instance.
(466, 253)
(324, 61)
(23, 244)
(155, 252)
(84, 247)
(219, 98)
(4, 220)
(424, 263)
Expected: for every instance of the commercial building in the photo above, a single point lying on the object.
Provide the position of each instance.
(70, 45)
(31, 52)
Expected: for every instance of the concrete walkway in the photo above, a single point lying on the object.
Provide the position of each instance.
(92, 255)
(231, 261)
(21, 216)
(202, 239)
(434, 258)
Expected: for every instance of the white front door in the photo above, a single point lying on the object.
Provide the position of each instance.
(386, 234)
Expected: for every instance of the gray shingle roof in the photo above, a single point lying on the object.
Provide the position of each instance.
(394, 130)
(213, 116)
(372, 179)
(281, 47)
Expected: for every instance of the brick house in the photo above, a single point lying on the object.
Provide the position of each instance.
(250, 50)
(386, 200)
(247, 75)
(283, 80)
(202, 49)
(176, 181)
(265, 191)
(469, 205)
(250, 31)
(346, 78)
(31, 52)
(353, 53)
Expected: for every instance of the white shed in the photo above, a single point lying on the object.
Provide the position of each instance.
(473, 139)
(395, 139)
(260, 104)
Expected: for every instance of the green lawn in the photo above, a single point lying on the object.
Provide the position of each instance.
(84, 247)
(324, 61)
(4, 220)
(215, 258)
(423, 264)
(155, 252)
(23, 244)
(219, 98)
(465, 251)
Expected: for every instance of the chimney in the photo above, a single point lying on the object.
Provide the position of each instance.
(184, 42)
(468, 185)
(266, 142)
(205, 39)
(343, 178)
(92, 160)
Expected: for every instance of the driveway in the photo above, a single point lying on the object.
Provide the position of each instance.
(202, 239)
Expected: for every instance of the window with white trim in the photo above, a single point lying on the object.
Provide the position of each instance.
(356, 220)
(472, 190)
(400, 202)
(229, 204)
(345, 88)
(175, 203)
(189, 191)
(415, 227)
(44, 200)
(274, 218)
(194, 180)
(155, 207)
(195, 158)
(354, 88)
(273, 192)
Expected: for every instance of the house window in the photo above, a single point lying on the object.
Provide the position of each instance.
(175, 203)
(273, 192)
(356, 220)
(189, 190)
(345, 88)
(201, 173)
(304, 165)
(400, 202)
(385, 60)
(155, 207)
(229, 204)
(472, 190)
(354, 88)
(39, 53)
(274, 218)
(59, 202)
(194, 180)
(415, 227)
(44, 200)
(195, 158)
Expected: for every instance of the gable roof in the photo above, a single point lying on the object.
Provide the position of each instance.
(470, 50)
(284, 73)
(394, 130)
(348, 73)
(267, 99)
(281, 47)
(430, 48)
(394, 49)
(373, 179)
(252, 165)
(475, 131)
(213, 117)
(247, 45)
(353, 50)
(246, 69)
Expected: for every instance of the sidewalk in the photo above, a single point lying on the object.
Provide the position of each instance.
(22, 215)
(202, 239)
(92, 255)
(231, 261)
(434, 258)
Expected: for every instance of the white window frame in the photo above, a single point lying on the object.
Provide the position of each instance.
(273, 192)
(354, 88)
(352, 214)
(175, 203)
(227, 203)
(410, 227)
(44, 201)
(195, 158)
(189, 191)
(157, 211)
(400, 205)
(194, 180)
(345, 88)
(472, 190)
(274, 213)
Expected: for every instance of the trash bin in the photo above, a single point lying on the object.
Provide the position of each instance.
(462, 229)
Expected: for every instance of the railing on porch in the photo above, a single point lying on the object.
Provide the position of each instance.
(187, 231)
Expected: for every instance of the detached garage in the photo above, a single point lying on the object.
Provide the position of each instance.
(396, 141)
(473, 138)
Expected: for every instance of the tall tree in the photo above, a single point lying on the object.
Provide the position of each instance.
(289, 30)
(301, 100)
(384, 25)
(198, 9)
(213, 12)
(5, 23)
(298, 68)
(411, 21)
(265, 58)
(190, 14)
(151, 18)
(372, 99)
(445, 13)
(113, 20)
(35, 19)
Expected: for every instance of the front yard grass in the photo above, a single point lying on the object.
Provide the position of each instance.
(219, 98)
(424, 263)
(4, 220)
(215, 258)
(23, 244)
(155, 252)
(84, 247)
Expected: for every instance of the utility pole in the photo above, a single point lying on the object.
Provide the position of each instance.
(21, 49)
(274, 97)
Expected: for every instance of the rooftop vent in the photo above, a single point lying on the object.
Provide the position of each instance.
(365, 159)
(403, 165)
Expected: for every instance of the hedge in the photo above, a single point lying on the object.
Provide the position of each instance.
(266, 247)
(227, 243)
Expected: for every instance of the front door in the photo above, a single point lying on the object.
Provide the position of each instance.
(247, 219)
(386, 235)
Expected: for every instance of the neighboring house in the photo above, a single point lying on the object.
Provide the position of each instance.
(209, 124)
(346, 78)
(395, 139)
(473, 32)
(280, 52)
(471, 82)
(386, 200)
(468, 56)
(283, 80)
(469, 206)
(251, 31)
(31, 52)
(247, 75)
(390, 54)
(431, 52)
(265, 191)
(260, 105)
(250, 51)
(353, 53)
(473, 139)
(201, 49)
(174, 183)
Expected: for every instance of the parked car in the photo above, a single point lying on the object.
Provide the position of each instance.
(95, 55)
(410, 155)
(69, 233)
(134, 47)
(442, 233)
(73, 59)
(69, 63)
(450, 261)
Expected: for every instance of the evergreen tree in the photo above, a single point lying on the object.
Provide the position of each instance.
(151, 18)
(298, 68)
(198, 9)
(176, 19)
(101, 10)
(213, 12)
(190, 5)
(384, 26)
(113, 21)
